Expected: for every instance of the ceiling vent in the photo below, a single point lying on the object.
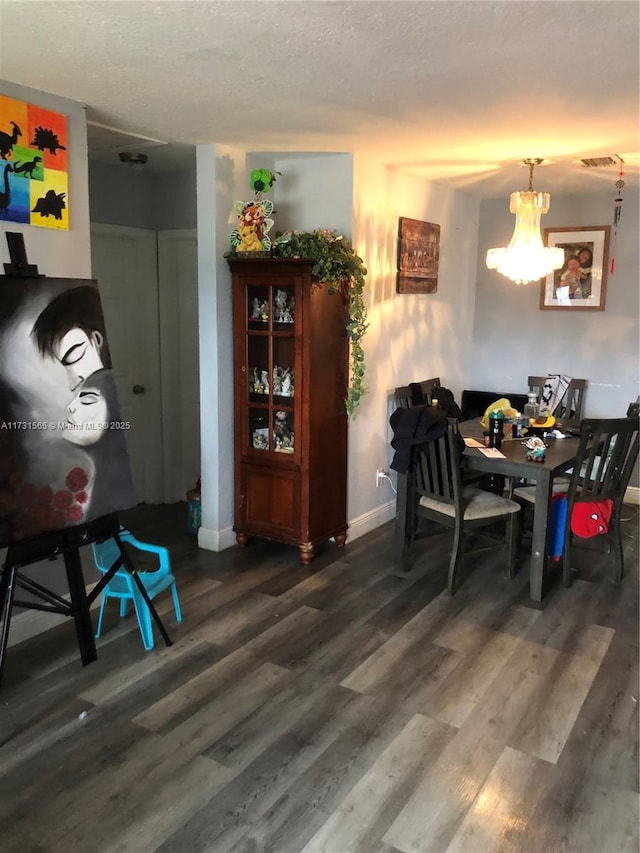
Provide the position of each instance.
(600, 162)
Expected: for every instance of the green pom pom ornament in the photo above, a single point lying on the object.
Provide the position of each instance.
(261, 180)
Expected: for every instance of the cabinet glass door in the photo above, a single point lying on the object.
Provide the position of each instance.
(271, 367)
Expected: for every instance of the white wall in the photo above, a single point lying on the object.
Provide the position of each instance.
(315, 191)
(222, 178)
(513, 338)
(63, 254)
(411, 336)
(121, 195)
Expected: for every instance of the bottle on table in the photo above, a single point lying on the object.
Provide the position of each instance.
(496, 429)
(532, 407)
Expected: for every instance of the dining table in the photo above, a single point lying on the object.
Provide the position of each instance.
(559, 457)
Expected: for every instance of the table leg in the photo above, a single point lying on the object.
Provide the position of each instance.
(544, 483)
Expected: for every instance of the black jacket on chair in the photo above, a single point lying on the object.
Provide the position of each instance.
(415, 427)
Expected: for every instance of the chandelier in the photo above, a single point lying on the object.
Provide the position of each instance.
(526, 258)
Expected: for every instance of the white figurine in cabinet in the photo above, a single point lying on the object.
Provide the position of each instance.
(279, 305)
(277, 380)
(287, 386)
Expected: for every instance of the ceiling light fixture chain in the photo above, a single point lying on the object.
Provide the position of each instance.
(617, 212)
(526, 258)
(532, 162)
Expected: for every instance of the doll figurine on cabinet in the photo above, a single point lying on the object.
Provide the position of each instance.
(253, 224)
(251, 233)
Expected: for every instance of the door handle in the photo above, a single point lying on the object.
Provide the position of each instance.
(138, 389)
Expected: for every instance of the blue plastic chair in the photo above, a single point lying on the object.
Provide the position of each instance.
(123, 586)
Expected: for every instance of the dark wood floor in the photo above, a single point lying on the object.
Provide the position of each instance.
(340, 707)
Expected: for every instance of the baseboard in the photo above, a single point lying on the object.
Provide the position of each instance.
(632, 495)
(219, 540)
(27, 623)
(216, 540)
(370, 520)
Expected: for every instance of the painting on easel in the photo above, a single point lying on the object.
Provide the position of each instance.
(63, 458)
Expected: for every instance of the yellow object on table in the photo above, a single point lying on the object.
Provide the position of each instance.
(542, 423)
(501, 405)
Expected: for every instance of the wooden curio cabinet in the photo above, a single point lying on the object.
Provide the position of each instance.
(290, 381)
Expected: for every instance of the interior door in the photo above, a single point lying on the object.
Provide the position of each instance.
(178, 279)
(124, 262)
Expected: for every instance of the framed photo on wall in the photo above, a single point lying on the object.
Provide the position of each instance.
(418, 256)
(581, 283)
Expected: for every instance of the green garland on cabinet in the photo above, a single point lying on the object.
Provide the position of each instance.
(336, 263)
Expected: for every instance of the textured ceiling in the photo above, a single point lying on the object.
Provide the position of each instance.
(453, 91)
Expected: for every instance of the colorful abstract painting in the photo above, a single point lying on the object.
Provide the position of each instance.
(63, 456)
(33, 176)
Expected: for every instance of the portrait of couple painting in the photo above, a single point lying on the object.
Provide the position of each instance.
(63, 458)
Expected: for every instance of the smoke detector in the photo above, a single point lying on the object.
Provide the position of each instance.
(132, 158)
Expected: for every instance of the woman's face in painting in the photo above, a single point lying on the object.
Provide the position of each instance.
(87, 417)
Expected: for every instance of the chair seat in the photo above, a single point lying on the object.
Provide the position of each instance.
(477, 504)
(433, 489)
(528, 493)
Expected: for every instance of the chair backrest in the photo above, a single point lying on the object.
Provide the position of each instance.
(437, 469)
(571, 406)
(105, 554)
(416, 393)
(428, 389)
(606, 456)
(402, 396)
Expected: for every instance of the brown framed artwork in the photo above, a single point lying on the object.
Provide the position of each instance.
(581, 283)
(418, 256)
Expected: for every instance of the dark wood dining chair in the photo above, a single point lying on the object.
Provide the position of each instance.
(428, 388)
(416, 393)
(606, 456)
(402, 396)
(433, 489)
(571, 406)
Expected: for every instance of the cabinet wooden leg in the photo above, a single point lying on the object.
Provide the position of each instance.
(340, 538)
(242, 539)
(306, 552)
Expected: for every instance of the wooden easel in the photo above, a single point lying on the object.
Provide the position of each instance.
(65, 543)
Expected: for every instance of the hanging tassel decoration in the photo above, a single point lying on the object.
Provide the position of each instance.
(617, 212)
